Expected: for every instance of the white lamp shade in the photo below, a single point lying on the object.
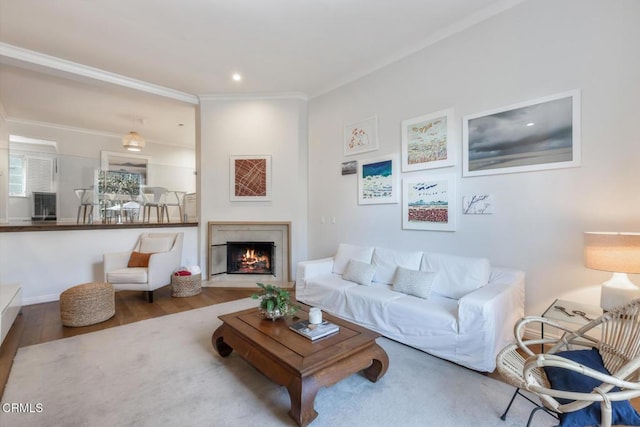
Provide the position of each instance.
(133, 141)
(618, 253)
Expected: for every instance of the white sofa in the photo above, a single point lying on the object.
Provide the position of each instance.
(467, 317)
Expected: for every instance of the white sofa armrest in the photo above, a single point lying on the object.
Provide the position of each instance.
(501, 299)
(493, 309)
(312, 268)
(115, 261)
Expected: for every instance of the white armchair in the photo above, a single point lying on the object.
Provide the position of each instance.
(164, 251)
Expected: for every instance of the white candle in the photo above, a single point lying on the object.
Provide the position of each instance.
(315, 315)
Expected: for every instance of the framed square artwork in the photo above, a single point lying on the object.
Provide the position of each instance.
(361, 137)
(428, 141)
(429, 202)
(250, 178)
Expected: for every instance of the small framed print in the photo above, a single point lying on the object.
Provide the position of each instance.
(427, 141)
(361, 137)
(250, 178)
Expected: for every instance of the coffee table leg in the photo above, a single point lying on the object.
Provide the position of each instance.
(217, 340)
(379, 364)
(302, 393)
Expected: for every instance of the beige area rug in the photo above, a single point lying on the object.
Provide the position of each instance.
(164, 372)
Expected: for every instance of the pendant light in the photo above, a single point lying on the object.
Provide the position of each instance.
(132, 141)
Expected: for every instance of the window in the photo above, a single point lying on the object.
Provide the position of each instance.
(17, 175)
(32, 166)
(39, 174)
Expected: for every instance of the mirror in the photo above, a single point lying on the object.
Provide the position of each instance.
(80, 123)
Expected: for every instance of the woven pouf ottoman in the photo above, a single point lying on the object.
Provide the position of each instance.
(186, 286)
(87, 304)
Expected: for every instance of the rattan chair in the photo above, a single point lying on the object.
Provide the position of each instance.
(616, 335)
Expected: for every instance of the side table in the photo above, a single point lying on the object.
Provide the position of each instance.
(570, 312)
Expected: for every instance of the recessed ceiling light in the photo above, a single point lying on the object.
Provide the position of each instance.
(530, 124)
(236, 77)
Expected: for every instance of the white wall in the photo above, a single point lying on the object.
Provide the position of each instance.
(267, 126)
(4, 166)
(46, 263)
(536, 49)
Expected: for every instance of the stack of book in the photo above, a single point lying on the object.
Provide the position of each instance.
(314, 332)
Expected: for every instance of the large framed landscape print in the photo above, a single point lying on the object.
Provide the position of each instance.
(429, 202)
(534, 135)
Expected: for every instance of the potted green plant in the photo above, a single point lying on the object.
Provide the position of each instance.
(275, 302)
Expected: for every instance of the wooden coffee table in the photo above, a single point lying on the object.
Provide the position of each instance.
(301, 365)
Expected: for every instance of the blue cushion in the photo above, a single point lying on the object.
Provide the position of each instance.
(563, 379)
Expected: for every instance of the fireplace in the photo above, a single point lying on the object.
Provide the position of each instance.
(274, 235)
(250, 258)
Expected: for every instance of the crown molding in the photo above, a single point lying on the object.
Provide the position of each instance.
(254, 96)
(48, 61)
(82, 130)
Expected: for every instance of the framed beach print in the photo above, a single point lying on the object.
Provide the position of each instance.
(429, 202)
(533, 135)
(378, 181)
(427, 141)
(250, 178)
(361, 137)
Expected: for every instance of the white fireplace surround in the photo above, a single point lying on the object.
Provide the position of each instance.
(219, 233)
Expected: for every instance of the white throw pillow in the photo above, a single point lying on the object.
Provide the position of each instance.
(456, 276)
(413, 282)
(387, 260)
(359, 272)
(152, 245)
(347, 252)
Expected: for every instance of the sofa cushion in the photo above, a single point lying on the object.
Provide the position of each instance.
(564, 379)
(456, 276)
(152, 245)
(359, 272)
(413, 282)
(347, 252)
(438, 320)
(387, 260)
(127, 275)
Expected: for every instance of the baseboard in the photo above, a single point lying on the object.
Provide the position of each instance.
(534, 334)
(40, 299)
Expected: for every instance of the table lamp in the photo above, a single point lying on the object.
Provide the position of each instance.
(618, 253)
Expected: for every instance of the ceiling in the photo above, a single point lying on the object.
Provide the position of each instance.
(85, 49)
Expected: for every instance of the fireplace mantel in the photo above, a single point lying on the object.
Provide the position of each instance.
(221, 232)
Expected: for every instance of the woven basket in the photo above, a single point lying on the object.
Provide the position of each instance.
(87, 304)
(186, 286)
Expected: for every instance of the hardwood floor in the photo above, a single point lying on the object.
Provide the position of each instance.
(40, 323)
